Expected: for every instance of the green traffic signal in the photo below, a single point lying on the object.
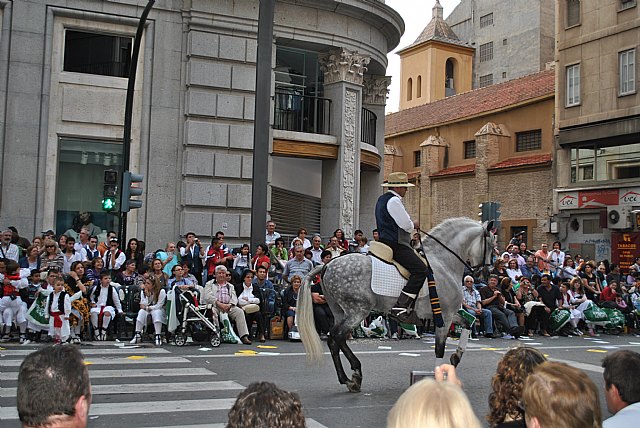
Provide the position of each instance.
(108, 204)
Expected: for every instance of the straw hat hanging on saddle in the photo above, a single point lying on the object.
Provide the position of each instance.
(398, 179)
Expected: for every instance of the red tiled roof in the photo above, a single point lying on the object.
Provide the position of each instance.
(461, 169)
(523, 161)
(472, 103)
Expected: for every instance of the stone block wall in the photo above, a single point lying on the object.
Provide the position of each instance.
(218, 134)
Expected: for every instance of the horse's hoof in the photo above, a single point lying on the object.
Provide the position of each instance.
(455, 360)
(353, 386)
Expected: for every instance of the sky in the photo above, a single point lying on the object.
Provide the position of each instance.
(416, 15)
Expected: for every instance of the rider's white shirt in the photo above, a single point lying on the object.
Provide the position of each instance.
(399, 213)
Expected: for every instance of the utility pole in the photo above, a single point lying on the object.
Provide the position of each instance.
(261, 123)
(128, 112)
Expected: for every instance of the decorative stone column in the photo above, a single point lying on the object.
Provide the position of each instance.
(374, 98)
(432, 155)
(343, 76)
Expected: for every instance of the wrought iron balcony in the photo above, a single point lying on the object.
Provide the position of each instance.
(302, 113)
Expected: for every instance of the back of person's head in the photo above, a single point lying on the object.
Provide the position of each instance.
(508, 382)
(557, 395)
(54, 388)
(432, 404)
(622, 369)
(264, 405)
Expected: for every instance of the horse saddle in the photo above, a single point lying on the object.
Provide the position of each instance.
(385, 253)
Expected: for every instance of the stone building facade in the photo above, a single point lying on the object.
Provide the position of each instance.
(511, 39)
(192, 135)
(597, 193)
(489, 144)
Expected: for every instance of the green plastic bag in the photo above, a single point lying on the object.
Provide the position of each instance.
(471, 319)
(227, 335)
(558, 319)
(616, 318)
(595, 314)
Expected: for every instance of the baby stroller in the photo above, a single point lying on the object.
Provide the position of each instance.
(194, 323)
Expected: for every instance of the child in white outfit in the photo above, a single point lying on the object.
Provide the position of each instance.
(11, 305)
(58, 309)
(104, 302)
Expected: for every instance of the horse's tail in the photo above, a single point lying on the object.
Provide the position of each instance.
(306, 322)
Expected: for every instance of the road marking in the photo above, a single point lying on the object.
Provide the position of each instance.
(118, 373)
(225, 385)
(601, 351)
(116, 360)
(582, 366)
(172, 406)
(311, 423)
(475, 348)
(96, 351)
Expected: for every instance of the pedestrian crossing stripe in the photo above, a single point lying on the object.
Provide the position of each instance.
(138, 407)
(118, 373)
(10, 352)
(116, 360)
(223, 385)
(136, 357)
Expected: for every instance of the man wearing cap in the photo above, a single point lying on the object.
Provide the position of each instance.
(395, 227)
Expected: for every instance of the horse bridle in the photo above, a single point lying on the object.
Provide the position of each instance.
(474, 269)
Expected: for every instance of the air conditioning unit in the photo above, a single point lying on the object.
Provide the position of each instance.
(618, 217)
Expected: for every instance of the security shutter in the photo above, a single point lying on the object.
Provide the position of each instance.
(291, 211)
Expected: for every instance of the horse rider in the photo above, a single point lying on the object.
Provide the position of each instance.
(395, 227)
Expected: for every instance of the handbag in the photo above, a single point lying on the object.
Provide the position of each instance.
(251, 308)
(276, 328)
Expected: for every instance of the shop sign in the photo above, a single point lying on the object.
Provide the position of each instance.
(625, 248)
(597, 199)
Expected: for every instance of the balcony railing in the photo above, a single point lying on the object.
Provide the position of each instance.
(368, 127)
(302, 113)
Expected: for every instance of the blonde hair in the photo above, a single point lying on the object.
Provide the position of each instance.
(561, 396)
(432, 404)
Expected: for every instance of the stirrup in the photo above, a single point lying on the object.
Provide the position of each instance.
(405, 316)
(137, 338)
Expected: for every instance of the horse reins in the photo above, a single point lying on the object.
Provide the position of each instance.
(469, 267)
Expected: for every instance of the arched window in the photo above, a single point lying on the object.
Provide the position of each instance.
(409, 89)
(419, 87)
(449, 88)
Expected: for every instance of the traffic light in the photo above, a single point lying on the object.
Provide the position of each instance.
(485, 211)
(129, 178)
(495, 214)
(109, 190)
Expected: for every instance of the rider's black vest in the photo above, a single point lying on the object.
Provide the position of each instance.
(387, 226)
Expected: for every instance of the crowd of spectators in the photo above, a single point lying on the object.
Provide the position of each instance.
(524, 290)
(101, 279)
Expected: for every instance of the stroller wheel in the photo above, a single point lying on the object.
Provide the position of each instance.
(180, 338)
(215, 340)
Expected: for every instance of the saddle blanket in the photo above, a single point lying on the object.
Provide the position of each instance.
(386, 281)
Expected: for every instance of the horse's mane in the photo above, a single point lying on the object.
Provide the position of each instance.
(451, 225)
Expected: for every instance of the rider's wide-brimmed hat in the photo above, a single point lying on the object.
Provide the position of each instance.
(398, 179)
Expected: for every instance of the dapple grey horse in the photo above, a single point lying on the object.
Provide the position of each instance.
(346, 283)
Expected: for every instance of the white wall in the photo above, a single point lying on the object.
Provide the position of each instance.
(297, 175)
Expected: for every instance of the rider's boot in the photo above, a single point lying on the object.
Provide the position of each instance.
(402, 311)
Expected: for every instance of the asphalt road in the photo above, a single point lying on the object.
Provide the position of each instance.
(195, 387)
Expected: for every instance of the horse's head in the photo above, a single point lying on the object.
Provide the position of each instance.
(481, 247)
(467, 240)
